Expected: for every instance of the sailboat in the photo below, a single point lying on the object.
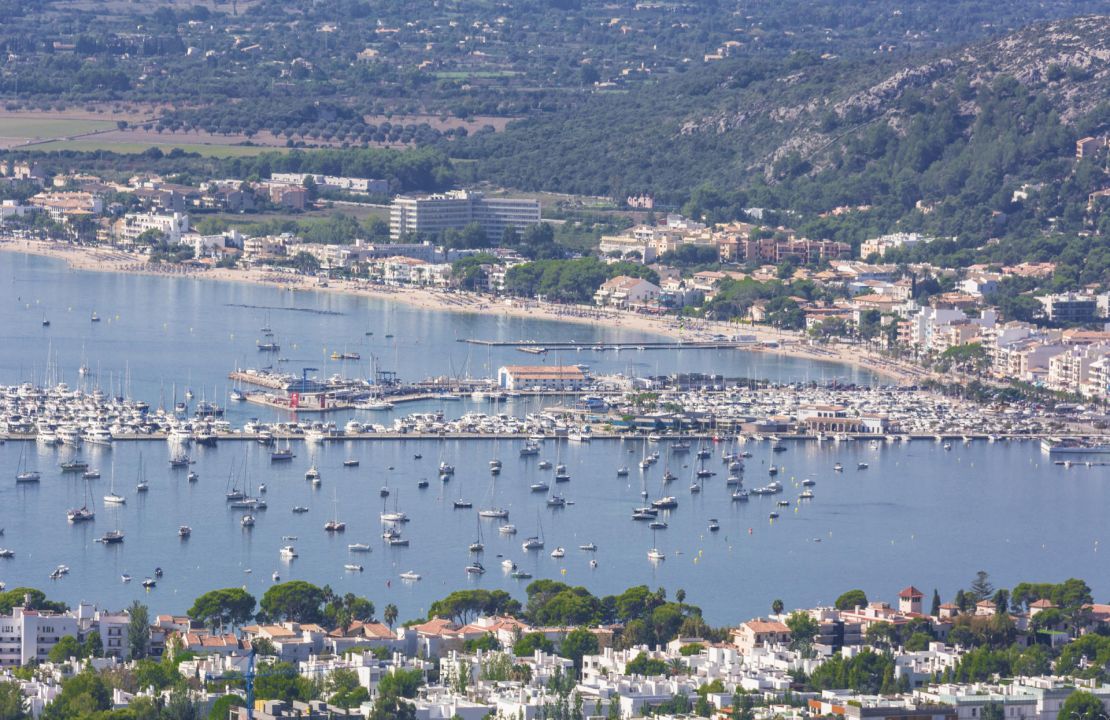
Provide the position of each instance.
(655, 554)
(461, 503)
(112, 537)
(335, 525)
(23, 475)
(83, 513)
(112, 498)
(142, 485)
(478, 546)
(536, 541)
(561, 474)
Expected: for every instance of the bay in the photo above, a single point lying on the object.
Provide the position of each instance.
(918, 515)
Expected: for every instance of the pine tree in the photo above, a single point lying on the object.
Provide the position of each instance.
(935, 610)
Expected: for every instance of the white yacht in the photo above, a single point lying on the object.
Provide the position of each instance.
(99, 435)
(358, 547)
(288, 552)
(410, 575)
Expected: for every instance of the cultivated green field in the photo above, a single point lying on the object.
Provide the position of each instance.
(134, 148)
(32, 128)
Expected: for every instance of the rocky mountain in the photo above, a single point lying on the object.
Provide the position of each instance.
(816, 133)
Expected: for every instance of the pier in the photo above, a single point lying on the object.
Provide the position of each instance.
(536, 348)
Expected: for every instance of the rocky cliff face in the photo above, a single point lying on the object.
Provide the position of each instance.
(1068, 61)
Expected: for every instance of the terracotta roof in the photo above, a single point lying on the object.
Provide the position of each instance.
(910, 592)
(435, 626)
(1042, 604)
(766, 626)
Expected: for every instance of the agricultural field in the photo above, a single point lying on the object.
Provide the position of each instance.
(92, 145)
(20, 130)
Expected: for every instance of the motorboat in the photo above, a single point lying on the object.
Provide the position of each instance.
(313, 473)
(149, 583)
(622, 471)
(352, 567)
(558, 553)
(351, 462)
(287, 552)
(90, 474)
(507, 529)
(508, 565)
(714, 525)
(184, 531)
(247, 521)
(494, 513)
(79, 515)
(475, 568)
(358, 547)
(588, 547)
(112, 537)
(656, 555)
(410, 575)
(298, 509)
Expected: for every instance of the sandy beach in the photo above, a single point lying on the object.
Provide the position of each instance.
(766, 340)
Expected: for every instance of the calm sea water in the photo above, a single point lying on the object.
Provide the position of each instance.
(918, 515)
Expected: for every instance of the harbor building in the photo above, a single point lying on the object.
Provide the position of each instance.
(542, 377)
(431, 214)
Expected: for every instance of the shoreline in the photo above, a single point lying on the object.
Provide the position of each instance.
(786, 344)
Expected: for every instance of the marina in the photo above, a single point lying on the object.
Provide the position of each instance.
(947, 474)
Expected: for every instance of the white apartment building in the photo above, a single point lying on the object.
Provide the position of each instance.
(623, 291)
(882, 244)
(457, 209)
(1098, 380)
(172, 226)
(362, 186)
(29, 635)
(626, 245)
(1070, 371)
(266, 245)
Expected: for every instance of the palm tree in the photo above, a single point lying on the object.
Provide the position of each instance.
(390, 615)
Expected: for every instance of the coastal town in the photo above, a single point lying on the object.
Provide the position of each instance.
(769, 285)
(1035, 652)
